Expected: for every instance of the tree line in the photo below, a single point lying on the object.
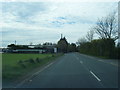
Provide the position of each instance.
(107, 30)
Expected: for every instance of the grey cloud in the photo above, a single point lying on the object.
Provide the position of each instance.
(23, 10)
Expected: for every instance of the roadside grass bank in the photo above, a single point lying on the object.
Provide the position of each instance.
(18, 65)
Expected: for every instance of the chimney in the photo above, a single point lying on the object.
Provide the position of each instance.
(61, 36)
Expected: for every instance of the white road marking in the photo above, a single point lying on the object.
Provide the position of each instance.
(30, 80)
(101, 60)
(48, 65)
(114, 64)
(77, 58)
(81, 62)
(95, 76)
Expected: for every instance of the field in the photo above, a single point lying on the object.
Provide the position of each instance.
(16, 65)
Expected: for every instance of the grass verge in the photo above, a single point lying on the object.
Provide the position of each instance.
(16, 65)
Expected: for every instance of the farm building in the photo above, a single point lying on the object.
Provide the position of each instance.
(31, 49)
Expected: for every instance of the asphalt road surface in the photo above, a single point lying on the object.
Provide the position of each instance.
(74, 70)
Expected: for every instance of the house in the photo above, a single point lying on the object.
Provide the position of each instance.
(29, 51)
(62, 45)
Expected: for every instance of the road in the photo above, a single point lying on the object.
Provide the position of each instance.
(74, 70)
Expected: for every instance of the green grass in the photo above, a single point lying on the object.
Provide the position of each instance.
(12, 70)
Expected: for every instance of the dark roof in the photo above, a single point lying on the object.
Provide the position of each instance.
(63, 39)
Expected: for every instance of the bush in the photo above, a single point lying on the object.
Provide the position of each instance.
(117, 52)
(37, 60)
(99, 47)
(31, 61)
(53, 55)
(21, 63)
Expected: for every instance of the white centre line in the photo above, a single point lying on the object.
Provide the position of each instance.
(95, 76)
(77, 58)
(81, 62)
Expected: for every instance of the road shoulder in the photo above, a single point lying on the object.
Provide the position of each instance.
(108, 61)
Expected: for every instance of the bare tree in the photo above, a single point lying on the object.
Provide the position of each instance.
(90, 35)
(107, 27)
(81, 41)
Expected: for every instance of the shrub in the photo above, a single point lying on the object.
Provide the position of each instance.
(99, 47)
(53, 55)
(37, 60)
(21, 63)
(31, 61)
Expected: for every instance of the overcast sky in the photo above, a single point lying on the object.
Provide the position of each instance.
(39, 22)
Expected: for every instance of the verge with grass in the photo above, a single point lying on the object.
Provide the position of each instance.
(17, 65)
